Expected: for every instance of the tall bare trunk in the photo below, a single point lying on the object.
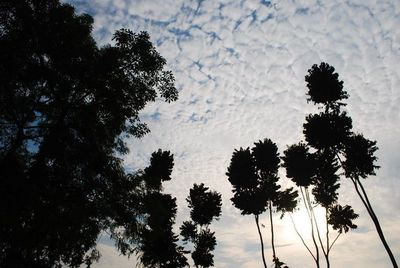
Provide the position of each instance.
(261, 241)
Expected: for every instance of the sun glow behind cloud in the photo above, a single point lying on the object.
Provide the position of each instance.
(240, 68)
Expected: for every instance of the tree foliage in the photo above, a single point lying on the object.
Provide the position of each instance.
(341, 218)
(324, 87)
(335, 147)
(157, 242)
(254, 177)
(205, 206)
(65, 107)
(315, 164)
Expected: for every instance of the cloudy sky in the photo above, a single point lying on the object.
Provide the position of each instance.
(240, 68)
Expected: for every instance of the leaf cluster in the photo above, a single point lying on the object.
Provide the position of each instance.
(254, 177)
(205, 205)
(341, 218)
(157, 243)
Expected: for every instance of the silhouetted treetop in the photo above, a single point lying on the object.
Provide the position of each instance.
(359, 156)
(241, 171)
(159, 170)
(325, 130)
(260, 167)
(341, 218)
(139, 54)
(300, 164)
(157, 243)
(205, 205)
(324, 86)
(266, 157)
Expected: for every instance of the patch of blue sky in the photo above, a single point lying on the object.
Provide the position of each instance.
(237, 24)
(270, 16)
(198, 8)
(213, 36)
(197, 63)
(196, 118)
(155, 116)
(302, 11)
(181, 34)
(32, 146)
(253, 16)
(194, 100)
(265, 3)
(187, 10)
(232, 52)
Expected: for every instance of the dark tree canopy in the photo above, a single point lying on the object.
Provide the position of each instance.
(205, 244)
(341, 218)
(65, 107)
(158, 247)
(205, 205)
(156, 241)
(241, 172)
(286, 201)
(266, 157)
(326, 130)
(300, 164)
(330, 134)
(360, 159)
(253, 175)
(324, 86)
(160, 169)
(326, 182)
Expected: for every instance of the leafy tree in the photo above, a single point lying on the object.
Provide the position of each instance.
(325, 132)
(318, 171)
(205, 205)
(300, 167)
(66, 106)
(330, 133)
(157, 242)
(254, 176)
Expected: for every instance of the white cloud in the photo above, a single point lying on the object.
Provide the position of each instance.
(240, 66)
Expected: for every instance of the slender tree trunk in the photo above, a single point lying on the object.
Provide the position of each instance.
(316, 225)
(308, 209)
(261, 240)
(328, 265)
(367, 204)
(364, 198)
(272, 231)
(301, 238)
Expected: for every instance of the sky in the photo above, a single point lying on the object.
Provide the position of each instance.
(239, 68)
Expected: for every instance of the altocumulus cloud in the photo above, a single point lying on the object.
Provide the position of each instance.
(240, 68)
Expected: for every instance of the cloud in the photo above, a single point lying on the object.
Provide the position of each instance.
(240, 68)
